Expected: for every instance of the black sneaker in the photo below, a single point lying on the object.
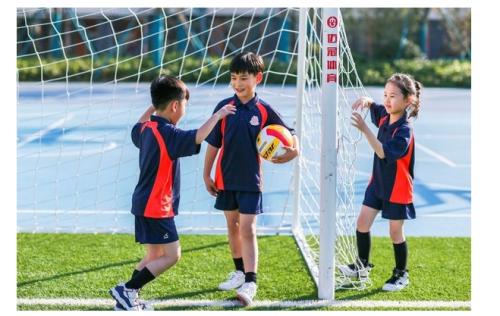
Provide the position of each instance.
(399, 280)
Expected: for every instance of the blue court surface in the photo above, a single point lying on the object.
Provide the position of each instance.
(77, 166)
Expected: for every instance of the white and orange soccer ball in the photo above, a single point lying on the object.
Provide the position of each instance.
(271, 140)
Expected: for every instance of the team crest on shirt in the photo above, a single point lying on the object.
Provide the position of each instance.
(254, 121)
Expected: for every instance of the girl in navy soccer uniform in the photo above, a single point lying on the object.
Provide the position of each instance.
(391, 186)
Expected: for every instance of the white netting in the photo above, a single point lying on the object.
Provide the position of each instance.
(83, 81)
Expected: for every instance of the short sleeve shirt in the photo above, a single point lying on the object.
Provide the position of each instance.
(238, 165)
(160, 144)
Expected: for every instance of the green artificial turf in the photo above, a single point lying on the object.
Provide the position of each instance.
(87, 265)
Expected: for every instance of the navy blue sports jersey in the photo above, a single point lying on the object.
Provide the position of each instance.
(238, 164)
(161, 144)
(393, 176)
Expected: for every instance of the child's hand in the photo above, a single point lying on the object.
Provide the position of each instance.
(362, 103)
(226, 110)
(358, 122)
(210, 186)
(291, 152)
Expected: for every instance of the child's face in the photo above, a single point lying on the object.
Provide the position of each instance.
(394, 100)
(244, 84)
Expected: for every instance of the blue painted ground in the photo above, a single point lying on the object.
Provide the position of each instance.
(77, 166)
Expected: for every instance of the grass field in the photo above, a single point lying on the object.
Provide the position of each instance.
(85, 266)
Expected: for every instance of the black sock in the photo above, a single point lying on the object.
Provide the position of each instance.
(142, 278)
(134, 273)
(251, 277)
(401, 255)
(364, 244)
(238, 264)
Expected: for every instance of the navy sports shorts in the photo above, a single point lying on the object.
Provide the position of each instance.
(389, 210)
(245, 201)
(155, 230)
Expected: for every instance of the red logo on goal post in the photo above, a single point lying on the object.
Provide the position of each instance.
(332, 22)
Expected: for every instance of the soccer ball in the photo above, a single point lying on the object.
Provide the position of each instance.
(271, 140)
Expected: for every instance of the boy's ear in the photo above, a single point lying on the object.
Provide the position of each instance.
(174, 105)
(259, 77)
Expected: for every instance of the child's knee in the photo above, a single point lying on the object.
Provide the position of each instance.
(233, 228)
(397, 234)
(247, 232)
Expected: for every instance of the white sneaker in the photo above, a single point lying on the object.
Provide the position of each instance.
(399, 280)
(246, 293)
(127, 298)
(234, 280)
(356, 271)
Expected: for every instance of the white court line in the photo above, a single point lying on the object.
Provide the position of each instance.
(62, 153)
(434, 154)
(264, 303)
(445, 215)
(125, 212)
(40, 133)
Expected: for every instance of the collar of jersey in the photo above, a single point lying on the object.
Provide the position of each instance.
(159, 119)
(398, 123)
(252, 101)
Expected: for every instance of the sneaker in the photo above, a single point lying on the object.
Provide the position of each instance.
(127, 298)
(356, 271)
(145, 306)
(246, 293)
(234, 280)
(399, 280)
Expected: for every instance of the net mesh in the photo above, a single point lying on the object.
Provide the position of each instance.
(83, 80)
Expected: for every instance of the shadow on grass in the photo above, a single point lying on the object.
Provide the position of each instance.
(186, 294)
(67, 274)
(107, 266)
(214, 245)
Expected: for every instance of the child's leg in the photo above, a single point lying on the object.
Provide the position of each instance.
(366, 218)
(233, 234)
(365, 221)
(170, 255)
(152, 253)
(399, 243)
(249, 246)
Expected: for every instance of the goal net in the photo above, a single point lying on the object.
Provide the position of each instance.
(83, 80)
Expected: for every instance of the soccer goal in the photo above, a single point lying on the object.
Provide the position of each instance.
(83, 80)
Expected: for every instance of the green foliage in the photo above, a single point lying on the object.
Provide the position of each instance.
(432, 73)
(444, 73)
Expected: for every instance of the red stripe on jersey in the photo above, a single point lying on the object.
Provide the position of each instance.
(219, 179)
(382, 120)
(279, 136)
(159, 204)
(263, 114)
(402, 191)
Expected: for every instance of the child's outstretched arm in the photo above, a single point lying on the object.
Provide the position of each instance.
(207, 127)
(147, 114)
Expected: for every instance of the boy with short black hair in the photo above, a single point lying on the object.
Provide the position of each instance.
(155, 200)
(238, 176)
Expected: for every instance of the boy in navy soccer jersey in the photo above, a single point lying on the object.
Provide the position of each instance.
(238, 177)
(156, 197)
(391, 187)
